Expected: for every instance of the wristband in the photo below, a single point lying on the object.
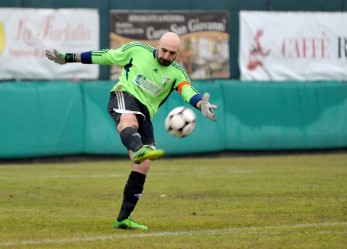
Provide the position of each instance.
(70, 57)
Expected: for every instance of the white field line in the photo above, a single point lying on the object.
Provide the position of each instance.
(247, 230)
(82, 176)
(73, 176)
(68, 176)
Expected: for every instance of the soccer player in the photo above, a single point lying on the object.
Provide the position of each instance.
(148, 77)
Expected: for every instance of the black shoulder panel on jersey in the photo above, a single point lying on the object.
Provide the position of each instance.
(99, 52)
(137, 44)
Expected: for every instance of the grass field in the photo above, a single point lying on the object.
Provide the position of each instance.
(294, 201)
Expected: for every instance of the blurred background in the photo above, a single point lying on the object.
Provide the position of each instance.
(277, 70)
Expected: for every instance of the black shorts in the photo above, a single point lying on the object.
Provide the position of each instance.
(123, 102)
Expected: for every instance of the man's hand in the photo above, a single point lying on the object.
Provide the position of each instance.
(56, 56)
(207, 108)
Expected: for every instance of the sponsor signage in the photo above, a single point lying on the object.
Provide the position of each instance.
(204, 36)
(301, 46)
(26, 33)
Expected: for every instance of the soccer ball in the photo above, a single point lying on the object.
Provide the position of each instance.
(180, 122)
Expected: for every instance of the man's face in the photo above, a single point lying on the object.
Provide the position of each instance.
(166, 55)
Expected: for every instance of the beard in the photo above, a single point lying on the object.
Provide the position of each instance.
(164, 62)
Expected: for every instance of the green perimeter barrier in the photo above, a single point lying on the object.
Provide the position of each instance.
(64, 118)
(285, 116)
(40, 119)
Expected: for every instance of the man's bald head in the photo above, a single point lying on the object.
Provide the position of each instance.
(168, 48)
(171, 41)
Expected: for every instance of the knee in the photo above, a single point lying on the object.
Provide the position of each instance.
(127, 120)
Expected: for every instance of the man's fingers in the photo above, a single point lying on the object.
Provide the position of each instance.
(214, 107)
(206, 98)
(211, 116)
(49, 55)
(55, 56)
(56, 52)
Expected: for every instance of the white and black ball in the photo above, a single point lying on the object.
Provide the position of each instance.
(180, 122)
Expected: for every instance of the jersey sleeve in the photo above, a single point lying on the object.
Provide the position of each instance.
(118, 57)
(189, 93)
(183, 86)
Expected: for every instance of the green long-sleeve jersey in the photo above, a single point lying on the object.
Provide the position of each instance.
(143, 76)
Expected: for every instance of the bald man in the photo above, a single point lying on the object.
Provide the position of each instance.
(148, 77)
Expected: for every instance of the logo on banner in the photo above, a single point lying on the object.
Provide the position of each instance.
(2, 37)
(257, 53)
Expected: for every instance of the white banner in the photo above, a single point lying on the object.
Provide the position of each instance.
(25, 34)
(300, 46)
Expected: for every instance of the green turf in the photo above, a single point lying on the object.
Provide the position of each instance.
(258, 202)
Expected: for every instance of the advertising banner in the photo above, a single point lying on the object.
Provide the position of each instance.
(26, 33)
(204, 51)
(300, 46)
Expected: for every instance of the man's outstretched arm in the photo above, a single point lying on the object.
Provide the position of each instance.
(62, 58)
